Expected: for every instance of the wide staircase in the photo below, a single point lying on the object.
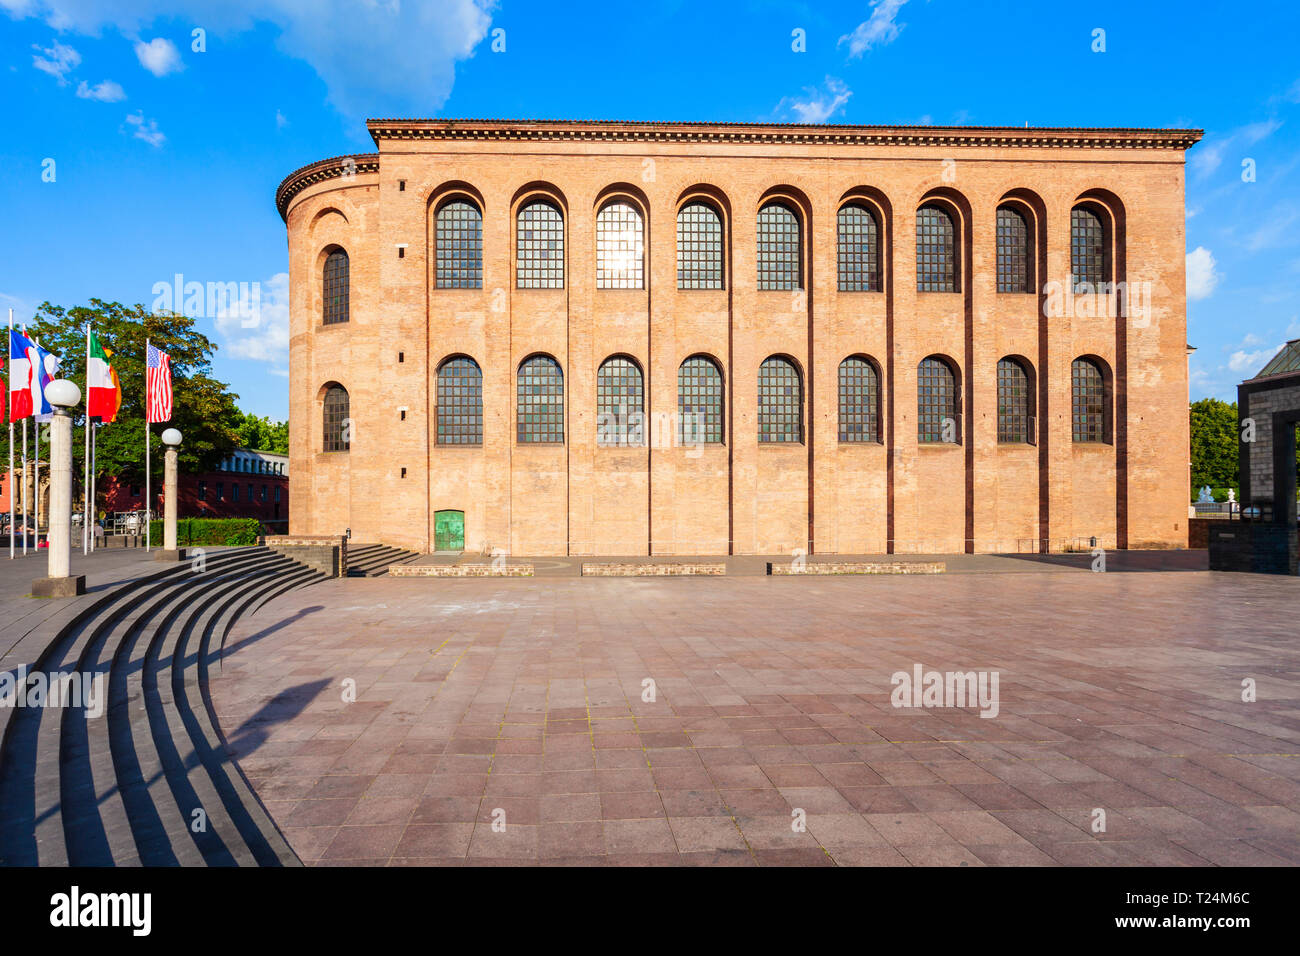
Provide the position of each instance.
(372, 560)
(150, 781)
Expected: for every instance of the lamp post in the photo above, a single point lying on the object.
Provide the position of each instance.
(169, 552)
(63, 396)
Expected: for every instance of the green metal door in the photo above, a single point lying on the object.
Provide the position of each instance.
(449, 531)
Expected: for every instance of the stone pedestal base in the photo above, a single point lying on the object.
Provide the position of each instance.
(169, 554)
(70, 586)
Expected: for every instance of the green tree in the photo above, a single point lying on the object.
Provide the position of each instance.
(262, 434)
(202, 408)
(1214, 443)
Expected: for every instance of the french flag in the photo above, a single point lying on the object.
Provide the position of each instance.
(29, 366)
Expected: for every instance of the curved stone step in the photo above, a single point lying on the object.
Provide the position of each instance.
(120, 790)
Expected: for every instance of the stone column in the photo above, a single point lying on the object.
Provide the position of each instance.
(169, 502)
(62, 395)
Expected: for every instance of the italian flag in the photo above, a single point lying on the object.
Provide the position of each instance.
(104, 390)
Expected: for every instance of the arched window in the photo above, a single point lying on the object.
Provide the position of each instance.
(780, 402)
(1015, 415)
(539, 246)
(620, 247)
(1015, 269)
(859, 401)
(779, 248)
(460, 402)
(859, 249)
(699, 402)
(620, 403)
(1089, 249)
(1089, 413)
(936, 250)
(540, 403)
(334, 288)
(936, 402)
(458, 238)
(699, 247)
(337, 435)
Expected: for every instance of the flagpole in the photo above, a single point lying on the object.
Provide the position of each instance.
(148, 501)
(36, 477)
(94, 453)
(10, 376)
(85, 472)
(24, 486)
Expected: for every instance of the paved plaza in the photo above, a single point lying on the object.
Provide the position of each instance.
(509, 721)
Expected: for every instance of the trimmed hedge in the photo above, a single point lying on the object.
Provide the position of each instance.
(195, 532)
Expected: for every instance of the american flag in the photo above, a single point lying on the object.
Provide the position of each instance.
(158, 386)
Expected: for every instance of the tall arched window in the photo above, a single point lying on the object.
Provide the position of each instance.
(780, 402)
(699, 247)
(699, 402)
(936, 402)
(460, 402)
(858, 253)
(620, 403)
(1015, 268)
(1089, 248)
(780, 252)
(936, 250)
(859, 401)
(620, 247)
(335, 282)
(1015, 403)
(337, 434)
(539, 246)
(1089, 413)
(540, 405)
(458, 241)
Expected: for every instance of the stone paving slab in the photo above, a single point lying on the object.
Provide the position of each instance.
(485, 701)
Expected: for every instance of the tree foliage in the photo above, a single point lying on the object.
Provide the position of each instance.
(1214, 444)
(202, 408)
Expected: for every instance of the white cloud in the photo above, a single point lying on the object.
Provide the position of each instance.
(391, 58)
(1275, 230)
(280, 121)
(1209, 155)
(105, 92)
(879, 29)
(1251, 362)
(58, 61)
(267, 338)
(818, 105)
(1201, 274)
(1293, 330)
(147, 131)
(159, 56)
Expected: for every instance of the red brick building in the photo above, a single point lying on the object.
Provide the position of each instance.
(885, 339)
(247, 484)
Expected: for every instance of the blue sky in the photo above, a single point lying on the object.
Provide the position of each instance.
(166, 158)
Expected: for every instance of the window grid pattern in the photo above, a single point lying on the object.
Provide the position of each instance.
(459, 241)
(335, 284)
(539, 247)
(460, 402)
(859, 401)
(780, 402)
(620, 247)
(936, 251)
(540, 402)
(337, 434)
(1088, 258)
(858, 253)
(1013, 251)
(699, 247)
(1013, 403)
(936, 400)
(699, 402)
(620, 402)
(779, 256)
(1088, 393)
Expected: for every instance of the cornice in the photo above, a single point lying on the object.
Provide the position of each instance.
(783, 134)
(333, 168)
